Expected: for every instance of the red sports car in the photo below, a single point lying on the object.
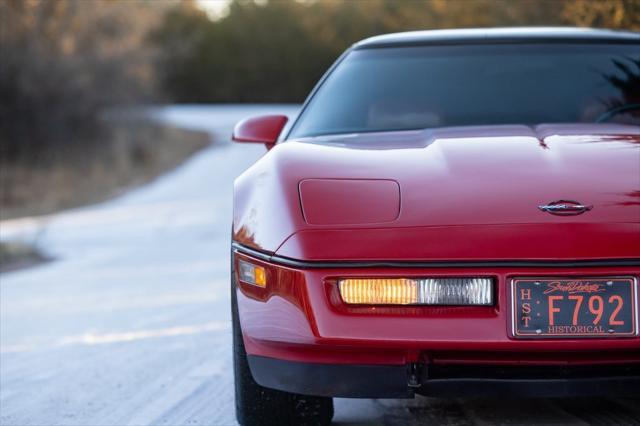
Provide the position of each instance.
(451, 213)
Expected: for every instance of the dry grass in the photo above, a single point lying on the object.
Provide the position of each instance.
(17, 255)
(131, 153)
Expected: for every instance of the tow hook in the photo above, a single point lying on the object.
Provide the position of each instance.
(413, 380)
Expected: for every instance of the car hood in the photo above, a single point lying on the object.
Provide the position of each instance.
(488, 175)
(463, 186)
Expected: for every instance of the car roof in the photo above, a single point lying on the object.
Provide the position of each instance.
(499, 35)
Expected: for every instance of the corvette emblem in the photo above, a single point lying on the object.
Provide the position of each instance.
(565, 208)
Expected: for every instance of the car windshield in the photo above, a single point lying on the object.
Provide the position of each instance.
(402, 88)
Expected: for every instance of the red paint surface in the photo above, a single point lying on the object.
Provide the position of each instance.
(470, 242)
(344, 202)
(300, 316)
(264, 129)
(466, 194)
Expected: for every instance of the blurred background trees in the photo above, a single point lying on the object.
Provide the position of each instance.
(274, 51)
(63, 63)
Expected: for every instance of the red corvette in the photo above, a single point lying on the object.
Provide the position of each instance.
(452, 213)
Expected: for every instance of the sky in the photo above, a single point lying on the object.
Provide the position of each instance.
(214, 8)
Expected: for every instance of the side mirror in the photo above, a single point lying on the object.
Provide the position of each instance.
(264, 129)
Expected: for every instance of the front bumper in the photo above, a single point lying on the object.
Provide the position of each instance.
(385, 381)
(300, 323)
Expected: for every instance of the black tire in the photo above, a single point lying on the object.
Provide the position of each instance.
(257, 405)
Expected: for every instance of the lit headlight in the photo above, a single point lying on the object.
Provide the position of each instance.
(418, 291)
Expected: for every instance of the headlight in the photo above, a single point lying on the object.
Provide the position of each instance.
(417, 291)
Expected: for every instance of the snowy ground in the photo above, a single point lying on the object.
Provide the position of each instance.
(130, 324)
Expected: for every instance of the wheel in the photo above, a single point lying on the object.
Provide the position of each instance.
(257, 405)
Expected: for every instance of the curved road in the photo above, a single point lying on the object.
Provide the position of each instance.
(130, 324)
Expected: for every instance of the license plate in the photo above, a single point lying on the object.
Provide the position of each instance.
(574, 307)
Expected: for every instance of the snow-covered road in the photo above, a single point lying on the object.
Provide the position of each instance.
(130, 324)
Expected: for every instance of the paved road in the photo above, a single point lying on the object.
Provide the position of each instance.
(130, 325)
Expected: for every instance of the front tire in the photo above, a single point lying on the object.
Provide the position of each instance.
(257, 405)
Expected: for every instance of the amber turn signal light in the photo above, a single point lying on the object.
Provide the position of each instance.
(252, 274)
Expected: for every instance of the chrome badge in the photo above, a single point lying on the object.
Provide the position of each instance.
(565, 208)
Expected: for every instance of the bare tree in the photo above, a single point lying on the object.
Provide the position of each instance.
(62, 61)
